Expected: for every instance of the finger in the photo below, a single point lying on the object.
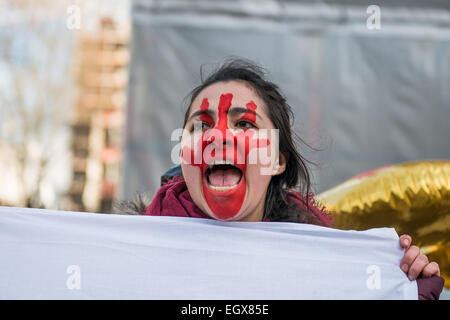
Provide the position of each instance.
(431, 269)
(409, 257)
(417, 266)
(405, 241)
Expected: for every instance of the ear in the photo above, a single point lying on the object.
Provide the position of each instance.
(281, 163)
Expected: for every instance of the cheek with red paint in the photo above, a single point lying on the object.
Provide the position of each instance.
(224, 190)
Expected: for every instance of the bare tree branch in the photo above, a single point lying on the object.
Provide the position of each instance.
(36, 102)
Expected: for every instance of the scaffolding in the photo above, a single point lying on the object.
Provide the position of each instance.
(99, 118)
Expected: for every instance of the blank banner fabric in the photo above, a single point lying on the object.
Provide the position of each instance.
(48, 254)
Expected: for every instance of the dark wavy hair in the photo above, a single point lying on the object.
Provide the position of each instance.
(289, 195)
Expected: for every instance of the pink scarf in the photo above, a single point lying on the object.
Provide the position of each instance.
(173, 199)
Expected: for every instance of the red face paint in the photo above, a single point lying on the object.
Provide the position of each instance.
(206, 117)
(251, 106)
(221, 143)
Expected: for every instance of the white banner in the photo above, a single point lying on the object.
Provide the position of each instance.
(47, 254)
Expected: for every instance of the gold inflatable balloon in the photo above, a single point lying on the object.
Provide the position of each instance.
(413, 197)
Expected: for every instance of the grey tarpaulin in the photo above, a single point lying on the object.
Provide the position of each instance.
(48, 254)
(365, 98)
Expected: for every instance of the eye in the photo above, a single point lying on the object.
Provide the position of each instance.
(200, 124)
(205, 125)
(243, 124)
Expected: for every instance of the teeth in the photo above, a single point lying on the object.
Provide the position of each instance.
(220, 162)
(222, 188)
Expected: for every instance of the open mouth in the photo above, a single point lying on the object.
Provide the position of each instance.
(223, 176)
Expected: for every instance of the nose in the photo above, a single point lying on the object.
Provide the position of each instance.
(227, 138)
(227, 141)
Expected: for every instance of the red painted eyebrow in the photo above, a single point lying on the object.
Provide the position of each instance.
(231, 111)
(201, 113)
(240, 110)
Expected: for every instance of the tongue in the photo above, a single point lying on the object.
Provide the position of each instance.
(224, 178)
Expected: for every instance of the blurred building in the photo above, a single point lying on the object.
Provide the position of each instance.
(43, 44)
(36, 90)
(99, 117)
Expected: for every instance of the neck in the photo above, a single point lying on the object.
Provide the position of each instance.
(257, 214)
